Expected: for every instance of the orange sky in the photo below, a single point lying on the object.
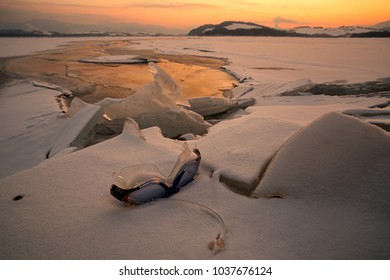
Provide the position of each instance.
(187, 14)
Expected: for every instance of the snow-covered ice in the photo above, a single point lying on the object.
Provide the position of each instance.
(293, 177)
(29, 125)
(157, 103)
(271, 59)
(334, 174)
(26, 46)
(116, 59)
(76, 132)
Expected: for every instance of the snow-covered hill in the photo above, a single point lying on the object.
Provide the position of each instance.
(382, 25)
(239, 28)
(235, 28)
(48, 26)
(334, 32)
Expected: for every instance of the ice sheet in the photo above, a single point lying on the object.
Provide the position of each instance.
(324, 195)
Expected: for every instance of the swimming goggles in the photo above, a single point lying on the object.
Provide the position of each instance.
(143, 183)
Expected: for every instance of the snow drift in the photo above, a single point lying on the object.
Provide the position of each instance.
(340, 157)
(311, 203)
(334, 175)
(238, 150)
(69, 199)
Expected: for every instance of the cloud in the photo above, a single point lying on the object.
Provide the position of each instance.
(279, 20)
(27, 4)
(175, 5)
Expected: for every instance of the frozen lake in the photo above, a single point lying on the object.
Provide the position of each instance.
(274, 59)
(265, 59)
(25, 46)
(292, 176)
(268, 65)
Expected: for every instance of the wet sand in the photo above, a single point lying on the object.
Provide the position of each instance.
(197, 76)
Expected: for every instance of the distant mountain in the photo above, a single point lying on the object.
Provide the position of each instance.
(34, 33)
(239, 28)
(48, 27)
(236, 28)
(345, 31)
(342, 31)
(382, 26)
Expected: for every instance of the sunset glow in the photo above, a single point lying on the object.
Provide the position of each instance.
(187, 14)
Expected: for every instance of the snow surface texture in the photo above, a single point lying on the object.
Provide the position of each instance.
(320, 219)
(26, 136)
(320, 178)
(335, 174)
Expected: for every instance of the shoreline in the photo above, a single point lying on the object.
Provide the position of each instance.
(92, 82)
